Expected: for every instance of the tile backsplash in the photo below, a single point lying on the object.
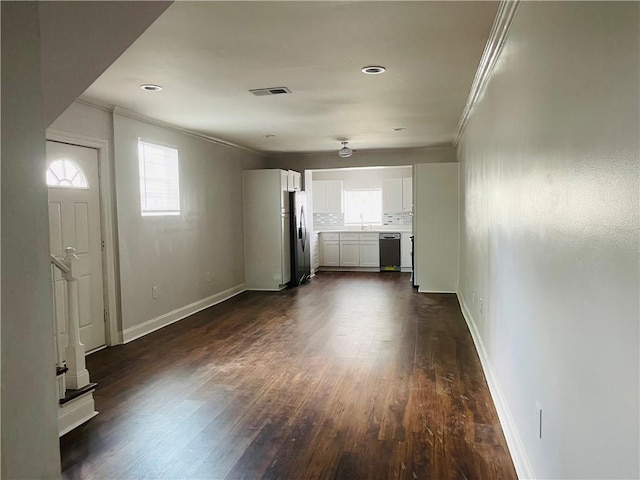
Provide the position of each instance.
(401, 218)
(327, 219)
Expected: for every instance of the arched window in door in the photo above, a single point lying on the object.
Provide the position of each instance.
(65, 173)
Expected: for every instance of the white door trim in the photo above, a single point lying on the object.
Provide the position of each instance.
(107, 222)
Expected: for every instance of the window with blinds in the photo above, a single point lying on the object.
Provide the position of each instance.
(159, 180)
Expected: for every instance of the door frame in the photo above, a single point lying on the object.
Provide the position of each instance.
(113, 335)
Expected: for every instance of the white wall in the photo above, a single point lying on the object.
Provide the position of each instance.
(174, 253)
(550, 188)
(436, 227)
(29, 401)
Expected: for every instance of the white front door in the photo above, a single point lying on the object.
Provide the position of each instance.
(74, 221)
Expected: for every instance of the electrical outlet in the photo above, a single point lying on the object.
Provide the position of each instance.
(539, 419)
(154, 291)
(207, 277)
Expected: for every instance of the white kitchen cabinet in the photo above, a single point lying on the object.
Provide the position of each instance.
(407, 194)
(349, 250)
(334, 196)
(369, 250)
(315, 251)
(349, 253)
(329, 250)
(397, 195)
(327, 196)
(266, 229)
(294, 181)
(319, 194)
(391, 195)
(405, 251)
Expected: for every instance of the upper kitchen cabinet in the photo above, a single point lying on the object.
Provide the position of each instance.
(407, 194)
(294, 181)
(397, 195)
(327, 196)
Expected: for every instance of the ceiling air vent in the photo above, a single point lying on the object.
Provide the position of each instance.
(260, 92)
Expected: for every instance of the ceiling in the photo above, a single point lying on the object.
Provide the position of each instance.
(208, 55)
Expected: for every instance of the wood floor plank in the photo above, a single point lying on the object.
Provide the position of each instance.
(352, 376)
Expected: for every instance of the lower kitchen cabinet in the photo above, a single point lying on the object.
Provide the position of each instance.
(405, 251)
(349, 250)
(369, 254)
(369, 250)
(330, 250)
(356, 250)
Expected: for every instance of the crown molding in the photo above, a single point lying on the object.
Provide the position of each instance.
(497, 37)
(123, 112)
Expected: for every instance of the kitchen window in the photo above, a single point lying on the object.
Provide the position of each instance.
(363, 206)
(159, 180)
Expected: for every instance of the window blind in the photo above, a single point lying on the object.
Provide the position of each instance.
(159, 180)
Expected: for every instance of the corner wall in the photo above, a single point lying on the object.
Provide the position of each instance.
(549, 166)
(29, 398)
(175, 253)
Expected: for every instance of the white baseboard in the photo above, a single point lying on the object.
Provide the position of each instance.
(157, 323)
(435, 291)
(514, 441)
(75, 413)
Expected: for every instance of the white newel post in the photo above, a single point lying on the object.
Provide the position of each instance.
(78, 375)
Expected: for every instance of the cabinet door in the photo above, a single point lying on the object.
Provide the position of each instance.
(296, 180)
(349, 254)
(290, 180)
(330, 253)
(369, 254)
(407, 194)
(392, 195)
(333, 196)
(315, 251)
(319, 194)
(405, 250)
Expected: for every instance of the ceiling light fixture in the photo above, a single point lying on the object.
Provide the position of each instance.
(345, 151)
(373, 70)
(150, 87)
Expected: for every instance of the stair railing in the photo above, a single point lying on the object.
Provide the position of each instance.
(61, 367)
(77, 375)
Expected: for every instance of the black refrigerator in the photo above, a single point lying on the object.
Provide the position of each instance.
(300, 241)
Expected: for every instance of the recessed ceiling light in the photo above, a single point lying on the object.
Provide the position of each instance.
(150, 87)
(399, 129)
(373, 70)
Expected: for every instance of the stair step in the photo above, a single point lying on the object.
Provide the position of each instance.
(73, 394)
(61, 370)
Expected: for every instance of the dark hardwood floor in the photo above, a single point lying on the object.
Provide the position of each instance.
(352, 376)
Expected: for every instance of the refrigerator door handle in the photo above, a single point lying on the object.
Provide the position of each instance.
(303, 228)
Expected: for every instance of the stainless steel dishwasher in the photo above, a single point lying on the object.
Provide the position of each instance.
(389, 252)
